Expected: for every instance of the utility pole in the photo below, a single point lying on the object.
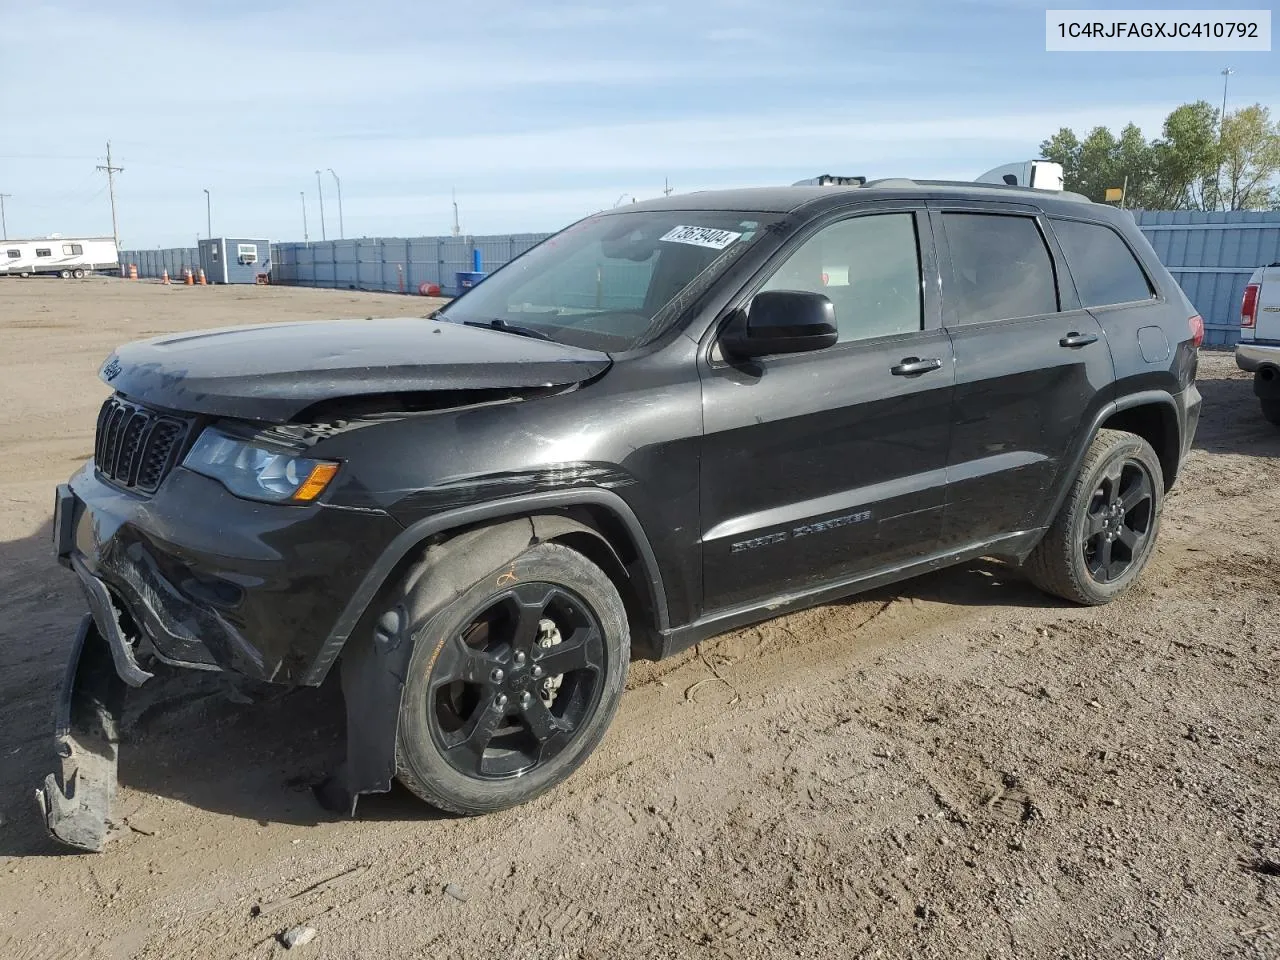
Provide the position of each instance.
(666, 187)
(342, 231)
(111, 188)
(208, 213)
(457, 228)
(320, 187)
(303, 195)
(4, 227)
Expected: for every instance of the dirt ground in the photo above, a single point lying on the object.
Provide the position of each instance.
(953, 767)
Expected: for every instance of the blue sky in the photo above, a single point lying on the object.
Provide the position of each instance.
(537, 112)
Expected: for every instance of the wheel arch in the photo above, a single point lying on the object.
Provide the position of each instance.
(1154, 418)
(596, 522)
(1151, 414)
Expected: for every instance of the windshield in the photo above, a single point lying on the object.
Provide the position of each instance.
(610, 282)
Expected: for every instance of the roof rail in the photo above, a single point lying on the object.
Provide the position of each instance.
(974, 185)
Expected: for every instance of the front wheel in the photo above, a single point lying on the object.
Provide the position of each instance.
(78, 273)
(1271, 411)
(64, 274)
(512, 685)
(1105, 532)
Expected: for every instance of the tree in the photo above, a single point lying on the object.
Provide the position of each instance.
(1185, 157)
(1101, 161)
(1250, 154)
(1064, 148)
(1193, 165)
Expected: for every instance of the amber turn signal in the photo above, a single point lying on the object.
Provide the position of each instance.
(316, 481)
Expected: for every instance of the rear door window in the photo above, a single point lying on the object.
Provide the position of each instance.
(1102, 265)
(1000, 268)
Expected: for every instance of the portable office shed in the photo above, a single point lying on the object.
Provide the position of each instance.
(234, 260)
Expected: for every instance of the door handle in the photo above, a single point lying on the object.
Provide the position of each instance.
(910, 366)
(1074, 339)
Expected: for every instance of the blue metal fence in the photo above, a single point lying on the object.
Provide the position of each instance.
(1210, 254)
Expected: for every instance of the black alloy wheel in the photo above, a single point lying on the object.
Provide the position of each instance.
(1105, 532)
(1119, 520)
(512, 688)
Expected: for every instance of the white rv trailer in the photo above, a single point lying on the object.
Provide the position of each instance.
(59, 256)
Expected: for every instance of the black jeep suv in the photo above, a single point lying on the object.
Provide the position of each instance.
(662, 423)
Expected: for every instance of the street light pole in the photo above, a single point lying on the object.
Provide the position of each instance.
(320, 188)
(342, 233)
(303, 195)
(4, 227)
(208, 214)
(1222, 122)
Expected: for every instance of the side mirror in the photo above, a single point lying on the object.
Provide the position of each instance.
(782, 321)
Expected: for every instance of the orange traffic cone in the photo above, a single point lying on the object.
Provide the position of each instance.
(133, 271)
(186, 278)
(203, 281)
(164, 277)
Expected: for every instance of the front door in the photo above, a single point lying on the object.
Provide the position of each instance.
(821, 467)
(1031, 368)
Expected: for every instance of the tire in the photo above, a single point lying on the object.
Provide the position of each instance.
(78, 273)
(1094, 549)
(474, 669)
(64, 274)
(1271, 410)
(24, 274)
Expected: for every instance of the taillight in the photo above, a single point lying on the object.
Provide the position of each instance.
(1196, 324)
(1249, 307)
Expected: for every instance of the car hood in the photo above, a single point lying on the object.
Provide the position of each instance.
(273, 372)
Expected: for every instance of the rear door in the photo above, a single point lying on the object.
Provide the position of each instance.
(820, 467)
(1031, 367)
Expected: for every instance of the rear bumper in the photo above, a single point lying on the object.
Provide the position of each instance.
(1188, 403)
(1253, 356)
(199, 578)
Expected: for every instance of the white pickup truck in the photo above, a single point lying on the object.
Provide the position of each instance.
(1258, 350)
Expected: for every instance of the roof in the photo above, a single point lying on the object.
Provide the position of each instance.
(787, 199)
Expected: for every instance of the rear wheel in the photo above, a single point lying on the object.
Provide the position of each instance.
(1106, 530)
(512, 685)
(1271, 410)
(65, 274)
(24, 274)
(78, 273)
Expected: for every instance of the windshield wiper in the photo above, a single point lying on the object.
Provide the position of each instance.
(497, 323)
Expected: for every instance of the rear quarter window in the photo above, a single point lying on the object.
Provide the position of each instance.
(1104, 268)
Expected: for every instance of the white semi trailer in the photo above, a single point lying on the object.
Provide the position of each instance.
(64, 257)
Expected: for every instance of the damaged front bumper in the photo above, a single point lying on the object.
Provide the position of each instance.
(155, 603)
(76, 800)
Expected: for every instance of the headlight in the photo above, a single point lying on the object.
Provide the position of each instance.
(258, 472)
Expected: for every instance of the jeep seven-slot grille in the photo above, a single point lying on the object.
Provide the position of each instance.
(136, 447)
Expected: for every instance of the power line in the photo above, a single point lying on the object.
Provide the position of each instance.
(111, 185)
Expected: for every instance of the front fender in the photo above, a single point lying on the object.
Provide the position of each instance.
(414, 536)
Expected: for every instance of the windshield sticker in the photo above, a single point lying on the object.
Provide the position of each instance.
(701, 237)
